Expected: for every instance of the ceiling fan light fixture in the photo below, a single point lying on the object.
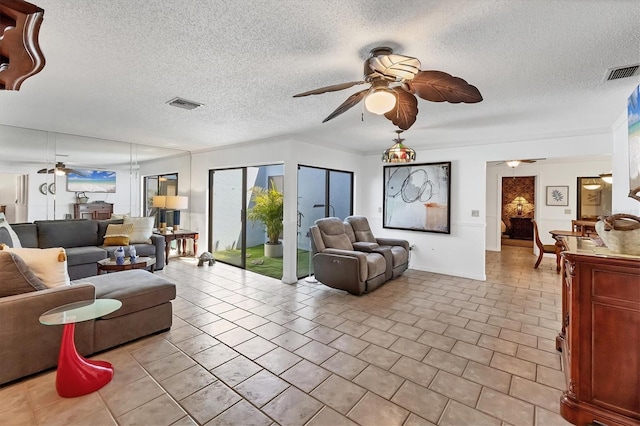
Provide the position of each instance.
(59, 172)
(380, 101)
(591, 185)
(607, 177)
(398, 153)
(513, 163)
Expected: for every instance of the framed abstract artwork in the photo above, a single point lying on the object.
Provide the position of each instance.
(557, 195)
(416, 197)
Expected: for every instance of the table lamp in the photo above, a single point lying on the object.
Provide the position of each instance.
(519, 201)
(177, 203)
(160, 202)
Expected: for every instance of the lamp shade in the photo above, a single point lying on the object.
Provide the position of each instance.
(513, 163)
(159, 201)
(176, 202)
(380, 101)
(399, 153)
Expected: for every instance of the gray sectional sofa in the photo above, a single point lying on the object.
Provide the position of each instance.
(83, 241)
(29, 347)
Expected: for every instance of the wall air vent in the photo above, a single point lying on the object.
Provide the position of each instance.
(184, 104)
(622, 72)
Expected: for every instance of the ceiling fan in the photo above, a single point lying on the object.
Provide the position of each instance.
(394, 80)
(60, 169)
(515, 163)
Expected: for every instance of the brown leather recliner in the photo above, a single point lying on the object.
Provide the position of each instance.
(336, 263)
(395, 251)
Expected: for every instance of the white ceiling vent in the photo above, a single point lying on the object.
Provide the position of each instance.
(622, 72)
(184, 104)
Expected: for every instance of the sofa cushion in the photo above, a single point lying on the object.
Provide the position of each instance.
(84, 255)
(142, 229)
(136, 289)
(361, 229)
(50, 265)
(376, 265)
(27, 233)
(67, 233)
(16, 277)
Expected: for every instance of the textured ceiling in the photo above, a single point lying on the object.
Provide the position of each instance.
(112, 66)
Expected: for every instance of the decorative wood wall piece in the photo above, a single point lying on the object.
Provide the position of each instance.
(519, 186)
(20, 54)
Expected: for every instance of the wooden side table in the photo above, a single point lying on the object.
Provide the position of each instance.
(181, 235)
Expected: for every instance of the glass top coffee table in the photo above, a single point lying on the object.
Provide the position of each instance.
(142, 262)
(77, 375)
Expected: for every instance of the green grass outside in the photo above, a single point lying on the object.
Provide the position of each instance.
(270, 266)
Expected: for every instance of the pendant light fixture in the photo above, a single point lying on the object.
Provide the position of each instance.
(607, 177)
(591, 185)
(398, 153)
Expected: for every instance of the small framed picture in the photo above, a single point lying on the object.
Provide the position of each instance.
(557, 195)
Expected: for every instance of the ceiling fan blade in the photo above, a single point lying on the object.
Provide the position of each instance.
(42, 171)
(406, 110)
(75, 172)
(346, 105)
(333, 88)
(395, 66)
(438, 86)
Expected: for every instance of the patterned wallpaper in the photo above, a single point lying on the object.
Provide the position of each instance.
(512, 187)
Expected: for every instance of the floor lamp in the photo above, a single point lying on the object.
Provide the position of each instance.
(311, 278)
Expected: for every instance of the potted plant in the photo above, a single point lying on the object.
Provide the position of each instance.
(268, 209)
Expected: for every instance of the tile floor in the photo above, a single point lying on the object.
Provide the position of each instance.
(249, 350)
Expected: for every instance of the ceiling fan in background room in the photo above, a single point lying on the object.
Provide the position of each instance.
(515, 163)
(394, 80)
(60, 169)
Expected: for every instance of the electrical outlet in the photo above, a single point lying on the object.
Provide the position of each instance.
(475, 213)
(379, 209)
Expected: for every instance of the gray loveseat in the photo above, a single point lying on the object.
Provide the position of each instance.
(347, 256)
(83, 241)
(29, 347)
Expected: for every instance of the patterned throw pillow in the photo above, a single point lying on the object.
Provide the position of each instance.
(142, 229)
(118, 235)
(50, 265)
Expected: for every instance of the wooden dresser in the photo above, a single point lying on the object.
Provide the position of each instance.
(600, 337)
(92, 210)
(521, 228)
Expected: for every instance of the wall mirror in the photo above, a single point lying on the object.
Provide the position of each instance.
(593, 198)
(166, 184)
(46, 195)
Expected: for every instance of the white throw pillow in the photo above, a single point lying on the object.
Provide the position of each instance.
(142, 229)
(15, 241)
(50, 265)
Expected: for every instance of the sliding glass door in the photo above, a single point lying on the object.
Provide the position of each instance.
(321, 193)
(228, 216)
(234, 239)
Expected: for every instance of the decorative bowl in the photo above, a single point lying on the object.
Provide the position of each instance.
(620, 233)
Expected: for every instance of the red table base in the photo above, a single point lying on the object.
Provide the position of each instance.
(77, 375)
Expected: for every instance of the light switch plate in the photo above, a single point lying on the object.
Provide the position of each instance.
(475, 213)
(567, 211)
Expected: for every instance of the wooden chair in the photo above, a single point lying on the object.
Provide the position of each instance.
(543, 248)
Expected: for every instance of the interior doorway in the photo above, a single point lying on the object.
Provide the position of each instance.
(13, 197)
(517, 210)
